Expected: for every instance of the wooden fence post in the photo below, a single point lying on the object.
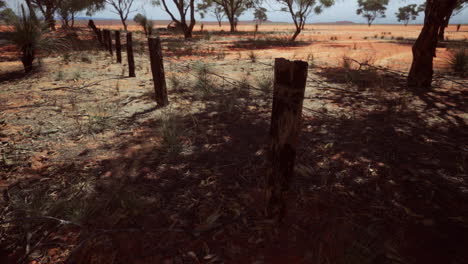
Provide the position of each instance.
(105, 42)
(96, 30)
(109, 44)
(288, 95)
(99, 36)
(157, 68)
(118, 48)
(131, 61)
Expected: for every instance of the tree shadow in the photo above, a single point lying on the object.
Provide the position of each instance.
(375, 186)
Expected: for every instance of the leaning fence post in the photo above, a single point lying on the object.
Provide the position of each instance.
(96, 30)
(131, 61)
(288, 95)
(157, 68)
(118, 48)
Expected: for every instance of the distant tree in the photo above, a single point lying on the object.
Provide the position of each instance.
(407, 13)
(372, 9)
(183, 7)
(209, 7)
(68, 9)
(232, 9)
(122, 8)
(47, 8)
(2, 4)
(260, 15)
(301, 9)
(145, 23)
(7, 15)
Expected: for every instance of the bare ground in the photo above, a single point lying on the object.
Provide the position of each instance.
(380, 176)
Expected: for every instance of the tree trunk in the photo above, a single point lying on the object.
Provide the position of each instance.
(73, 20)
(187, 31)
(298, 30)
(232, 24)
(444, 26)
(27, 58)
(50, 21)
(424, 49)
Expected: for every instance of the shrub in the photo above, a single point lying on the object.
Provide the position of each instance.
(252, 56)
(265, 84)
(171, 132)
(28, 36)
(458, 62)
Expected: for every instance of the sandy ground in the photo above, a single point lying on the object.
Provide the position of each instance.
(377, 165)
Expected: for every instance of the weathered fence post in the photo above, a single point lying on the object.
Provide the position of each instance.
(105, 42)
(289, 87)
(109, 44)
(131, 61)
(99, 36)
(157, 68)
(96, 30)
(118, 47)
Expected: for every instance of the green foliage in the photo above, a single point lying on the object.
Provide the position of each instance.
(70, 8)
(210, 7)
(372, 9)
(407, 13)
(145, 23)
(265, 83)
(7, 15)
(458, 62)
(204, 82)
(232, 9)
(171, 131)
(260, 15)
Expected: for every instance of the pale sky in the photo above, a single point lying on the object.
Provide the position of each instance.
(342, 10)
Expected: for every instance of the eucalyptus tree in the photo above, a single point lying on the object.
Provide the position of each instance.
(232, 9)
(184, 8)
(209, 7)
(372, 9)
(68, 9)
(407, 13)
(260, 15)
(122, 8)
(47, 8)
(301, 9)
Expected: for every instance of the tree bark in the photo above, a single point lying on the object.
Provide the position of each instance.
(131, 61)
(157, 69)
(444, 26)
(298, 31)
(288, 95)
(27, 58)
(424, 49)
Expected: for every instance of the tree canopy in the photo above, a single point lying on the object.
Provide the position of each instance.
(301, 9)
(372, 9)
(409, 12)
